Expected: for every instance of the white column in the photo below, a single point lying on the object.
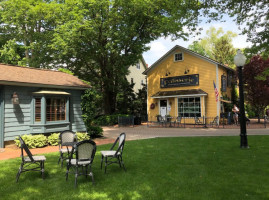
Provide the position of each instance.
(217, 85)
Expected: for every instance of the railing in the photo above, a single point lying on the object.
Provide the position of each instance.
(126, 120)
(224, 121)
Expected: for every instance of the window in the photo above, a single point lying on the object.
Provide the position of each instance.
(178, 56)
(37, 109)
(138, 65)
(132, 81)
(189, 107)
(142, 82)
(55, 109)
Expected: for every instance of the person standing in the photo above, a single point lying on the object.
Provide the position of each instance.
(235, 115)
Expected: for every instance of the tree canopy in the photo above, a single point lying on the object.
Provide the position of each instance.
(252, 16)
(216, 45)
(257, 90)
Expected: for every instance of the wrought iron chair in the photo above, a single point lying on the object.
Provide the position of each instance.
(215, 121)
(161, 120)
(66, 138)
(197, 121)
(177, 121)
(30, 162)
(114, 156)
(85, 152)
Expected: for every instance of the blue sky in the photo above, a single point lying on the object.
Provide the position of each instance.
(159, 47)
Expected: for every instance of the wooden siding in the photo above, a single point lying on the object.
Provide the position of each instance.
(2, 103)
(77, 124)
(19, 119)
(208, 72)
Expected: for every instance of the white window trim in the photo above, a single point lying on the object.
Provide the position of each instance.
(178, 60)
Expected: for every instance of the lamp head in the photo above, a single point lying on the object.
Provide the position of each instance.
(239, 59)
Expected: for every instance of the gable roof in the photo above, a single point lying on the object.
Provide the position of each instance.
(188, 51)
(26, 76)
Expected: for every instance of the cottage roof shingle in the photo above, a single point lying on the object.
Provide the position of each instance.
(15, 75)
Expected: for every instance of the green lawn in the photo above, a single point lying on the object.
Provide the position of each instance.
(194, 168)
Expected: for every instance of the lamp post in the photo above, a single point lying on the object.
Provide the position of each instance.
(239, 61)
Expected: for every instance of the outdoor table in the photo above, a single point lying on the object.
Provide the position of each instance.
(170, 121)
(69, 144)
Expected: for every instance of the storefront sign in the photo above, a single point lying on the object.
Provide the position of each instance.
(180, 81)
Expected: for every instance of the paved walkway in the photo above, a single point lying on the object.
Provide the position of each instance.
(140, 132)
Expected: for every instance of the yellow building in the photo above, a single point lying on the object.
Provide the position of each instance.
(181, 83)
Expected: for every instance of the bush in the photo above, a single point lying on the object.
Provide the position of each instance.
(107, 120)
(95, 131)
(33, 141)
(82, 136)
(53, 139)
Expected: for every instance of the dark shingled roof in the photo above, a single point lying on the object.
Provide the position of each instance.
(192, 92)
(15, 75)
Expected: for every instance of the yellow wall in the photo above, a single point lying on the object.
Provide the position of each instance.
(195, 65)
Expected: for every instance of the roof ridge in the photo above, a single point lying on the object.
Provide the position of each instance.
(26, 67)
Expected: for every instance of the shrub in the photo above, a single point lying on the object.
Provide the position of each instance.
(95, 131)
(53, 139)
(82, 136)
(33, 141)
(107, 120)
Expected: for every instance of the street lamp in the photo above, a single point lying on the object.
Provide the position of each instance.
(239, 61)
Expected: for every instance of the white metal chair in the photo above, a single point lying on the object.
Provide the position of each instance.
(114, 156)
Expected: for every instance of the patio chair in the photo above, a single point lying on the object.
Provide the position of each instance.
(66, 137)
(114, 156)
(177, 121)
(81, 165)
(215, 121)
(197, 121)
(30, 162)
(161, 120)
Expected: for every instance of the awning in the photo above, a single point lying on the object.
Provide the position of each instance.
(51, 92)
(180, 93)
(225, 101)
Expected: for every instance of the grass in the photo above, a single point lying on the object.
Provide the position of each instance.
(209, 168)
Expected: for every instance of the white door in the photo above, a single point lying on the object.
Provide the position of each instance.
(163, 111)
(163, 108)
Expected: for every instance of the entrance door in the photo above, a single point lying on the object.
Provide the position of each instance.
(163, 107)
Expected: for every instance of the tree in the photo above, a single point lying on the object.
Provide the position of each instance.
(30, 23)
(252, 16)
(99, 40)
(257, 90)
(217, 45)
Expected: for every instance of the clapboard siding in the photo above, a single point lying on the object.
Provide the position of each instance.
(18, 119)
(76, 112)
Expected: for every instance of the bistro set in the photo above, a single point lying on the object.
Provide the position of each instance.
(79, 156)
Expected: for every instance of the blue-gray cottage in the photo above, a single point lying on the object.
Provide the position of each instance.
(38, 101)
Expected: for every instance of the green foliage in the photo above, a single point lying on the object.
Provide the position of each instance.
(53, 139)
(95, 131)
(107, 120)
(252, 17)
(125, 98)
(33, 141)
(90, 105)
(82, 136)
(65, 71)
(217, 45)
(250, 112)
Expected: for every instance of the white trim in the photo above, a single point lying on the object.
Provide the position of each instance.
(189, 95)
(204, 113)
(182, 55)
(176, 106)
(217, 85)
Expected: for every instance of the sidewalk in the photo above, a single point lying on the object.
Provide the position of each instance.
(137, 133)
